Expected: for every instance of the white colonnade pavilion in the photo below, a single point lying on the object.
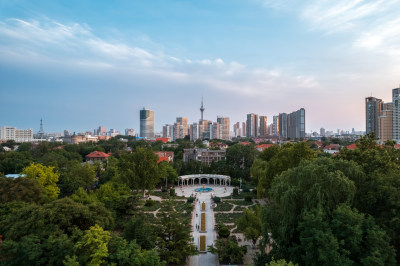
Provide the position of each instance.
(208, 179)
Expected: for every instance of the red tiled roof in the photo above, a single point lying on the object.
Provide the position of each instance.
(162, 159)
(264, 146)
(244, 143)
(97, 154)
(397, 146)
(351, 146)
(164, 140)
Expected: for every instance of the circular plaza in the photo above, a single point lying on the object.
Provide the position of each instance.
(204, 184)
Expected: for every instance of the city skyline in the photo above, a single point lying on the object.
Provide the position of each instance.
(62, 63)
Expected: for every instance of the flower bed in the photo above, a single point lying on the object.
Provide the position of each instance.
(203, 222)
(203, 243)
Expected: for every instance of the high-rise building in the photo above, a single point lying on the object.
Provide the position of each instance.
(373, 109)
(204, 129)
(252, 126)
(244, 127)
(263, 126)
(215, 130)
(146, 123)
(386, 123)
(283, 124)
(396, 114)
(129, 132)
(275, 122)
(297, 124)
(183, 121)
(322, 132)
(167, 131)
(224, 125)
(177, 130)
(194, 131)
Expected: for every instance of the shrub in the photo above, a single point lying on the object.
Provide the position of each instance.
(248, 198)
(164, 189)
(235, 192)
(223, 231)
(149, 203)
(217, 199)
(190, 200)
(172, 192)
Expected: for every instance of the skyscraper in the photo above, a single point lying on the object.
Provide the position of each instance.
(373, 109)
(263, 126)
(224, 125)
(322, 132)
(167, 131)
(146, 123)
(275, 121)
(215, 130)
(283, 124)
(386, 123)
(297, 124)
(183, 121)
(396, 114)
(252, 126)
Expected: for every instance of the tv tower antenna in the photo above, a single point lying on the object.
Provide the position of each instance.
(202, 108)
(41, 131)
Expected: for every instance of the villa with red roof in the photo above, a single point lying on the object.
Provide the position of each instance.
(262, 147)
(98, 156)
(167, 156)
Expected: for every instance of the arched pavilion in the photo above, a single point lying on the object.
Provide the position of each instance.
(208, 179)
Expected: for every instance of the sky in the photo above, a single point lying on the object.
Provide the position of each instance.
(81, 64)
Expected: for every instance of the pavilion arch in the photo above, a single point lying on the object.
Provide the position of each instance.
(221, 180)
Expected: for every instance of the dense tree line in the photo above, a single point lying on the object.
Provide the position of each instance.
(342, 210)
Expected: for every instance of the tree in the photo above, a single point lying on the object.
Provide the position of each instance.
(13, 162)
(139, 170)
(20, 189)
(228, 250)
(92, 248)
(311, 220)
(173, 237)
(168, 172)
(75, 175)
(240, 158)
(140, 230)
(46, 177)
(250, 224)
(123, 252)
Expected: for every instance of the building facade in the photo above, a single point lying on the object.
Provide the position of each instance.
(373, 110)
(275, 122)
(283, 124)
(252, 126)
(224, 125)
(263, 126)
(385, 125)
(205, 156)
(396, 114)
(183, 121)
(297, 124)
(146, 123)
(18, 135)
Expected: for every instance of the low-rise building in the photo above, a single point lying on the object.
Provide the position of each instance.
(165, 155)
(97, 156)
(205, 156)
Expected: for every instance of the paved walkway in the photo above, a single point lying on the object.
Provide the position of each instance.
(208, 258)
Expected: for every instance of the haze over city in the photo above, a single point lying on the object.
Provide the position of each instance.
(79, 64)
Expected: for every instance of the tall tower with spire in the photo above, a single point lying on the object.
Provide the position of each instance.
(202, 108)
(41, 131)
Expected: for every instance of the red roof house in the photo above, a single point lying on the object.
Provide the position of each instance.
(97, 156)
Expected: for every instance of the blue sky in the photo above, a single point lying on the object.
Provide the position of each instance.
(81, 64)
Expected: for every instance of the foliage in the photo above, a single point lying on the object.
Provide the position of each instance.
(240, 158)
(139, 170)
(277, 161)
(74, 176)
(311, 220)
(173, 237)
(216, 199)
(223, 231)
(46, 178)
(92, 248)
(229, 251)
(190, 200)
(250, 224)
(140, 230)
(20, 189)
(13, 162)
(248, 198)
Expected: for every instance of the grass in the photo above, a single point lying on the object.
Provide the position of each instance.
(223, 206)
(226, 217)
(239, 208)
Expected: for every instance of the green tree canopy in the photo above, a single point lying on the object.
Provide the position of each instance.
(46, 177)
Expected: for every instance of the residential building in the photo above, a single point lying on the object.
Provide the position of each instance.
(97, 156)
(129, 132)
(165, 155)
(224, 125)
(146, 123)
(322, 132)
(167, 131)
(296, 124)
(275, 122)
(18, 135)
(263, 126)
(215, 130)
(283, 125)
(244, 129)
(205, 156)
(252, 126)
(385, 126)
(396, 114)
(183, 121)
(373, 110)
